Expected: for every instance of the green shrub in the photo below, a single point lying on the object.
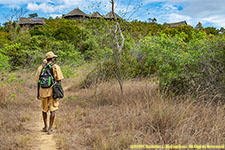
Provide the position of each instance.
(13, 54)
(4, 62)
(187, 67)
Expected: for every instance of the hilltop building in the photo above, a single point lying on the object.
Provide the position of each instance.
(77, 14)
(30, 22)
(175, 24)
(110, 16)
(96, 15)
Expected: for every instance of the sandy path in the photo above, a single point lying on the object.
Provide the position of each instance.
(40, 140)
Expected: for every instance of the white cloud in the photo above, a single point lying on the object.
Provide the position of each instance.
(22, 2)
(206, 11)
(88, 6)
(169, 7)
(176, 17)
(216, 20)
(13, 2)
(63, 6)
(55, 15)
(46, 8)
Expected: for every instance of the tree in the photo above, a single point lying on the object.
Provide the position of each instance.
(117, 49)
(199, 26)
(212, 30)
(222, 30)
(74, 36)
(152, 20)
(15, 14)
(34, 15)
(12, 17)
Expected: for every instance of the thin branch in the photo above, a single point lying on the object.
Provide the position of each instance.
(123, 39)
(128, 5)
(115, 36)
(15, 14)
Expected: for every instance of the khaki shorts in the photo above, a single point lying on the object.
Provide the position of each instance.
(48, 103)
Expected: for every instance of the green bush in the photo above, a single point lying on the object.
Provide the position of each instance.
(186, 67)
(14, 54)
(4, 62)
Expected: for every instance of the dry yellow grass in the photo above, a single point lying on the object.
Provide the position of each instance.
(100, 118)
(16, 107)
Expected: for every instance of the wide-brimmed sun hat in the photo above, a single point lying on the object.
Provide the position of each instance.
(50, 55)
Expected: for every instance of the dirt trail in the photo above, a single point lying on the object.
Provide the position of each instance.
(40, 140)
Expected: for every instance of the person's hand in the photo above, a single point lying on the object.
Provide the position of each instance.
(38, 96)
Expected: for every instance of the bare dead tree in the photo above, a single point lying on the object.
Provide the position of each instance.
(15, 14)
(117, 50)
(116, 35)
(12, 17)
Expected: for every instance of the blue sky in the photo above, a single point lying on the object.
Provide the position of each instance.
(208, 12)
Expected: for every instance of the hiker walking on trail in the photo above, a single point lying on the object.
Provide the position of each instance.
(47, 75)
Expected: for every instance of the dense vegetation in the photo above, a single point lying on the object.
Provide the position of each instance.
(183, 59)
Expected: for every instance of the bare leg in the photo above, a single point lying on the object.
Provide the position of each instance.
(44, 115)
(51, 121)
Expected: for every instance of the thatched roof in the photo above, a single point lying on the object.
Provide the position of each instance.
(76, 12)
(177, 24)
(96, 15)
(110, 16)
(24, 20)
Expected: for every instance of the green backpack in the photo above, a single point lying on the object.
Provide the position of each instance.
(46, 78)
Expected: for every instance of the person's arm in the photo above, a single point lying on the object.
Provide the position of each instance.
(59, 75)
(36, 79)
(38, 89)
